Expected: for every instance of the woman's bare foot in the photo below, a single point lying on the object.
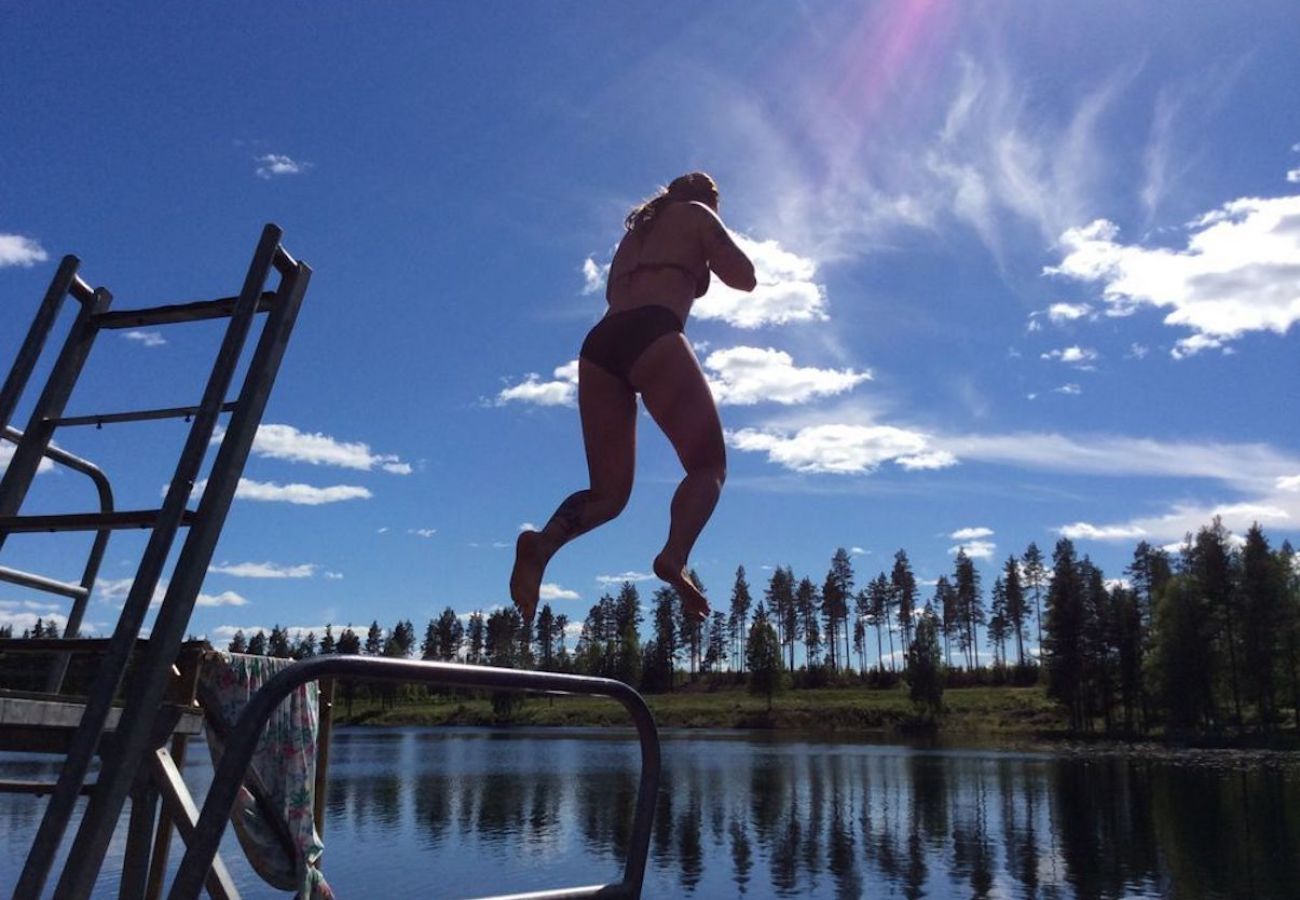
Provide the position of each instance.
(526, 577)
(694, 604)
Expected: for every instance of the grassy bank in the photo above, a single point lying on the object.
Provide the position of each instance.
(1003, 711)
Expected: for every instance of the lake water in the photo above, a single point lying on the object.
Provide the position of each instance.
(466, 812)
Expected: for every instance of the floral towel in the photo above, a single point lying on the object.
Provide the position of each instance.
(285, 761)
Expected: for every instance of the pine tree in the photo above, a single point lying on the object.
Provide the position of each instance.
(925, 665)
(738, 622)
(1015, 605)
(476, 637)
(374, 639)
(1210, 563)
(879, 596)
(763, 657)
(716, 646)
(903, 584)
(807, 601)
(1063, 647)
(999, 625)
(349, 644)
(779, 596)
(945, 601)
(841, 573)
(1263, 625)
(238, 643)
(970, 608)
(1035, 579)
(666, 639)
(305, 646)
(448, 635)
(277, 645)
(257, 644)
(327, 643)
(429, 646)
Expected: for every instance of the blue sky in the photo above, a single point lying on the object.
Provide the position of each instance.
(1026, 270)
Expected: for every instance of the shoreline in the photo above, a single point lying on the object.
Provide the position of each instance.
(993, 718)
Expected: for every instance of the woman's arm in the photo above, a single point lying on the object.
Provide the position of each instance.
(726, 259)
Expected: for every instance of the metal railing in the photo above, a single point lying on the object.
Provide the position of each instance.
(81, 597)
(238, 753)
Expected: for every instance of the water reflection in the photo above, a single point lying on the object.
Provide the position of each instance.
(744, 816)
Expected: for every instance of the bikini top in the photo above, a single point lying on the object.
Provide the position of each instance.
(700, 280)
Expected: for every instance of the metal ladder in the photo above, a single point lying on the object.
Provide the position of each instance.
(123, 758)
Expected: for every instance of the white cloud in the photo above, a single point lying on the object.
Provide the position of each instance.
(1138, 351)
(563, 391)
(1060, 313)
(16, 250)
(1089, 532)
(593, 276)
(1080, 357)
(297, 494)
(841, 449)
(273, 164)
(528, 526)
(7, 453)
(115, 590)
(621, 577)
(225, 598)
(382, 530)
(1070, 390)
(334, 576)
(975, 549)
(147, 338)
(743, 376)
(263, 570)
(1239, 273)
(422, 532)
(786, 291)
(24, 618)
(858, 551)
(555, 592)
(295, 632)
(1293, 176)
(971, 534)
(288, 443)
(1288, 483)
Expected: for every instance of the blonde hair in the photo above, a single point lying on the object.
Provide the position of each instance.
(691, 186)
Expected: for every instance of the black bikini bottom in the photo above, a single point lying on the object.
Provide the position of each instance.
(618, 340)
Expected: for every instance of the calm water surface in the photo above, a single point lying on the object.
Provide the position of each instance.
(467, 812)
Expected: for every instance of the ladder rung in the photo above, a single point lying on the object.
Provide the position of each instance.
(36, 787)
(177, 312)
(136, 518)
(174, 412)
(40, 583)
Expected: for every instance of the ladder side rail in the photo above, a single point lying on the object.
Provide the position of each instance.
(105, 492)
(99, 703)
(36, 437)
(132, 737)
(34, 343)
(252, 721)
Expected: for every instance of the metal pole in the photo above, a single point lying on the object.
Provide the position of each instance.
(202, 847)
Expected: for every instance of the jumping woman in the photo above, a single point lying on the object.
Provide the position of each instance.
(662, 265)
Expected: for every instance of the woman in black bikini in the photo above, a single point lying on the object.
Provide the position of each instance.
(661, 266)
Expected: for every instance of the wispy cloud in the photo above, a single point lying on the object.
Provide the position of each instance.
(16, 250)
(1069, 389)
(263, 570)
(593, 276)
(1079, 357)
(422, 532)
(634, 577)
(1238, 273)
(971, 534)
(225, 598)
(147, 338)
(7, 453)
(1088, 532)
(975, 549)
(272, 165)
(297, 494)
(288, 443)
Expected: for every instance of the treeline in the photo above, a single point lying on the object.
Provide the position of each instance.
(1203, 639)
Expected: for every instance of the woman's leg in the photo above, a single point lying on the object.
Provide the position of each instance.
(608, 410)
(677, 396)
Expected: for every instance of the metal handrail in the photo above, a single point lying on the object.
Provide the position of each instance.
(238, 753)
(97, 549)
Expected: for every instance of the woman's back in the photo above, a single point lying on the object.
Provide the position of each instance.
(666, 261)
